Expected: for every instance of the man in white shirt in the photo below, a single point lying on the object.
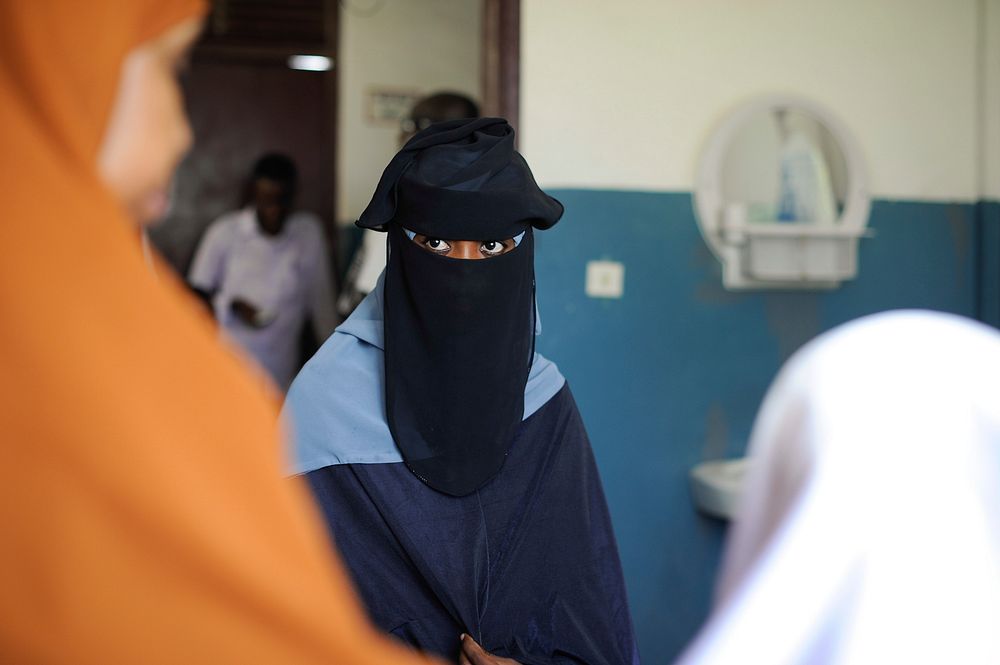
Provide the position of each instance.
(265, 271)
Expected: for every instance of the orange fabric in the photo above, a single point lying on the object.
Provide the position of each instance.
(143, 513)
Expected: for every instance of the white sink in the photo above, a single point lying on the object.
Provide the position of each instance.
(717, 486)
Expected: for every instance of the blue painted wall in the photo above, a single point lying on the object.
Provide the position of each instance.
(673, 373)
(988, 246)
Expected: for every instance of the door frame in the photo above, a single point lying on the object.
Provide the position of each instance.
(501, 59)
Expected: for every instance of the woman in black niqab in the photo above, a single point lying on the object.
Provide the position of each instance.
(459, 334)
(448, 457)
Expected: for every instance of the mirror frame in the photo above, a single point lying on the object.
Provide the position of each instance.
(709, 203)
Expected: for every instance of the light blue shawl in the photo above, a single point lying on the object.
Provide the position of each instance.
(336, 405)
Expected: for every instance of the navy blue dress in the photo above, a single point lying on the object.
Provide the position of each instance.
(527, 565)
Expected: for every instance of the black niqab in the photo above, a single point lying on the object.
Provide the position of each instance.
(459, 334)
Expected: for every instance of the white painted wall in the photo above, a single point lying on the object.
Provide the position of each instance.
(427, 45)
(624, 94)
(991, 99)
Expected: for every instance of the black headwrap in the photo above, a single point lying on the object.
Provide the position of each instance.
(459, 334)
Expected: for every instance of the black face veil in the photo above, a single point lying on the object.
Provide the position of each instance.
(459, 334)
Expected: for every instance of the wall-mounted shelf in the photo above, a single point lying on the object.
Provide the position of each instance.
(787, 255)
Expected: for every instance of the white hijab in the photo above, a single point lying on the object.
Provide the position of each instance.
(870, 531)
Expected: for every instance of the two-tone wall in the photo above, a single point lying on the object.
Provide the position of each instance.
(618, 100)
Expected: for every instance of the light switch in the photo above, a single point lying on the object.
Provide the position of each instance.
(605, 279)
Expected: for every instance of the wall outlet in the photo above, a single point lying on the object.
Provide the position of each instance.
(605, 279)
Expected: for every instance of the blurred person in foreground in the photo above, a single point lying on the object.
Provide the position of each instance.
(870, 528)
(144, 514)
(265, 271)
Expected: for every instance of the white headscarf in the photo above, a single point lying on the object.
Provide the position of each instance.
(870, 531)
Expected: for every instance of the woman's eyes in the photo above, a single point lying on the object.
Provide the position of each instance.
(437, 245)
(488, 248)
(492, 247)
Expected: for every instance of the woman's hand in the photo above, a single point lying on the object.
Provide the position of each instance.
(250, 315)
(245, 312)
(473, 654)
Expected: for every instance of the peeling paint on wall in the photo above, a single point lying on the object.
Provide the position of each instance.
(793, 319)
(716, 433)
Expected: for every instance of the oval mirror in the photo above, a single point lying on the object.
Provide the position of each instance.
(781, 196)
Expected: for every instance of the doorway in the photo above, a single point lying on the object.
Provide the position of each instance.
(337, 124)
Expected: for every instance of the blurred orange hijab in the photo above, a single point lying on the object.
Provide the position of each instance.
(143, 511)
